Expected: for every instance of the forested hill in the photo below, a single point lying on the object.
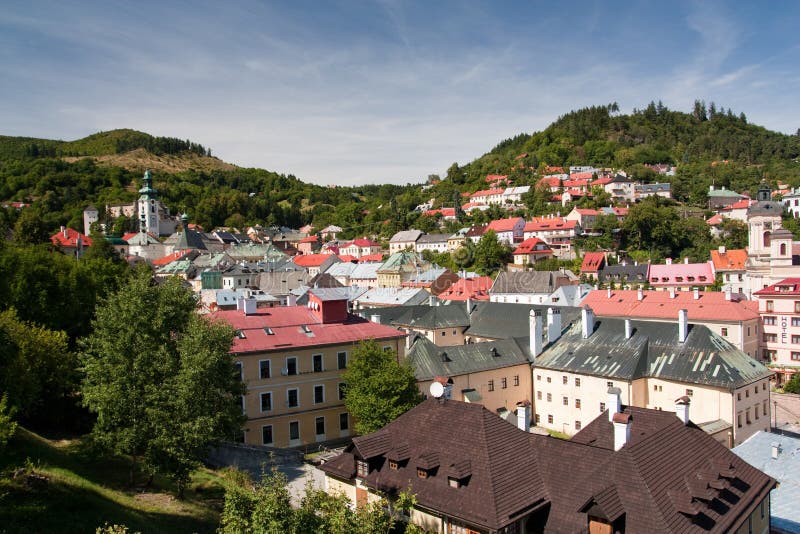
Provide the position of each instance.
(710, 143)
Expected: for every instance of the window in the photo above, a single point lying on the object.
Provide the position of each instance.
(763, 386)
(764, 407)
(739, 420)
(319, 394)
(755, 408)
(266, 435)
(770, 338)
(655, 387)
(739, 396)
(577, 425)
(538, 418)
(393, 465)
(444, 333)
(602, 407)
(770, 306)
(516, 380)
(610, 384)
(747, 393)
(292, 399)
(564, 379)
(539, 378)
(550, 419)
(491, 385)
(319, 426)
(244, 409)
(724, 331)
(294, 430)
(503, 383)
(422, 473)
(387, 348)
(549, 397)
(239, 370)
(291, 366)
(689, 392)
(565, 401)
(263, 369)
(266, 402)
(539, 395)
(577, 382)
(362, 468)
(578, 403)
(453, 482)
(769, 320)
(549, 379)
(341, 390)
(795, 339)
(747, 416)
(795, 356)
(316, 360)
(341, 360)
(795, 321)
(344, 421)
(797, 306)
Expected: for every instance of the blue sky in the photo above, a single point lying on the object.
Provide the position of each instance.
(355, 92)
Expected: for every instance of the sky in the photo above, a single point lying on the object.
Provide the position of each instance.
(356, 91)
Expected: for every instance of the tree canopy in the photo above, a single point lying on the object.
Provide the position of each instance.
(378, 387)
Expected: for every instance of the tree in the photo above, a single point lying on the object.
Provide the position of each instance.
(378, 387)
(159, 377)
(490, 254)
(793, 385)
(30, 227)
(7, 424)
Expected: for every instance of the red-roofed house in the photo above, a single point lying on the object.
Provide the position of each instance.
(779, 306)
(371, 258)
(532, 250)
(734, 319)
(71, 242)
(468, 288)
(448, 214)
(681, 276)
(469, 206)
(169, 258)
(557, 232)
(552, 182)
(508, 230)
(731, 264)
(737, 210)
(495, 180)
(592, 263)
(291, 359)
(584, 217)
(360, 247)
(315, 263)
(552, 169)
(487, 196)
(308, 245)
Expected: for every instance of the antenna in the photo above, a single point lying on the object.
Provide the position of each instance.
(437, 390)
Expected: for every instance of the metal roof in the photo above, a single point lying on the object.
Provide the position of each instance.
(429, 360)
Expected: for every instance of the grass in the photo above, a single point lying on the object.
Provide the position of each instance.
(84, 491)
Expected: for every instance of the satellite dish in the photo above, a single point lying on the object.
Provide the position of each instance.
(437, 390)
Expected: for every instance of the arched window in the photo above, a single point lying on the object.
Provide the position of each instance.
(767, 239)
(783, 249)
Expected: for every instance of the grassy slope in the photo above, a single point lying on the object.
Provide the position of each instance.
(84, 492)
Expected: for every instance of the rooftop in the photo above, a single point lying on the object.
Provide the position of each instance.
(710, 306)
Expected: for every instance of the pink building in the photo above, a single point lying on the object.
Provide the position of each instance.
(779, 306)
(681, 276)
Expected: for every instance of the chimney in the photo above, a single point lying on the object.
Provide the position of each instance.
(672, 292)
(375, 318)
(776, 450)
(553, 324)
(469, 306)
(291, 299)
(524, 415)
(682, 409)
(628, 329)
(728, 293)
(535, 324)
(696, 294)
(686, 260)
(640, 294)
(622, 429)
(614, 402)
(721, 249)
(249, 306)
(587, 322)
(430, 300)
(64, 232)
(683, 325)
(409, 340)
(609, 293)
(668, 261)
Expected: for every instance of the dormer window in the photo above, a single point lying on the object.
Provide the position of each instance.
(393, 465)
(422, 473)
(362, 468)
(453, 482)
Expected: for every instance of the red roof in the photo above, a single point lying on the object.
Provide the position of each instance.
(739, 205)
(549, 223)
(362, 242)
(550, 168)
(468, 288)
(311, 260)
(505, 225)
(602, 181)
(691, 274)
(593, 262)
(68, 238)
(496, 177)
(469, 205)
(487, 192)
(534, 245)
(586, 211)
(581, 176)
(552, 181)
(169, 258)
(730, 260)
(286, 323)
(445, 212)
(131, 235)
(309, 239)
(371, 258)
(715, 220)
(575, 183)
(347, 258)
(710, 306)
(787, 286)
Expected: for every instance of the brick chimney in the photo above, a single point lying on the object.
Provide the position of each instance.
(587, 322)
(622, 429)
(683, 325)
(682, 409)
(535, 331)
(614, 402)
(553, 324)
(524, 415)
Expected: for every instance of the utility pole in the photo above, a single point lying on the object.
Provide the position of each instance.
(775, 413)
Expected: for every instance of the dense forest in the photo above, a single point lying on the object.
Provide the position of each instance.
(710, 145)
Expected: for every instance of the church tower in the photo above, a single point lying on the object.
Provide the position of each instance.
(147, 206)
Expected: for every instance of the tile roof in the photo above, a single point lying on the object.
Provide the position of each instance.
(710, 306)
(178, 254)
(311, 260)
(624, 273)
(551, 181)
(787, 286)
(371, 258)
(505, 225)
(69, 238)
(468, 288)
(550, 223)
(592, 262)
(534, 245)
(715, 220)
(433, 239)
(730, 260)
(697, 274)
(496, 177)
(362, 242)
(286, 323)
(526, 282)
(486, 193)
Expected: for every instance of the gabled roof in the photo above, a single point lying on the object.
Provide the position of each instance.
(593, 262)
(501, 320)
(787, 286)
(433, 239)
(393, 296)
(424, 316)
(468, 288)
(430, 361)
(505, 225)
(371, 258)
(486, 193)
(699, 274)
(624, 273)
(534, 245)
(70, 238)
(526, 282)
(550, 223)
(710, 306)
(169, 258)
(730, 260)
(362, 242)
(406, 236)
(715, 220)
(312, 260)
